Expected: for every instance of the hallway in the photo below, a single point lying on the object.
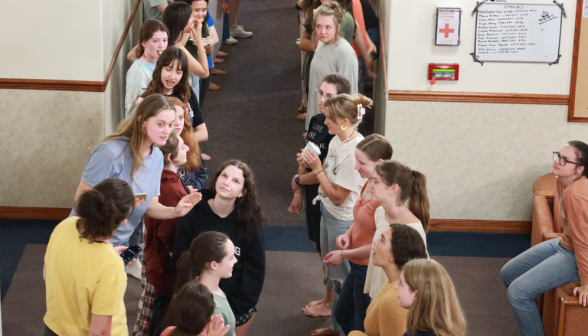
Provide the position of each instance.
(252, 117)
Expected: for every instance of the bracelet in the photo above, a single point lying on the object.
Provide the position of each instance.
(202, 52)
(318, 172)
(342, 254)
(297, 195)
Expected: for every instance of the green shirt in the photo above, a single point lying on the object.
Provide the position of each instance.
(150, 10)
(224, 309)
(348, 27)
(191, 47)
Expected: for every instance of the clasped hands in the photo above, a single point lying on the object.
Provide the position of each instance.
(335, 258)
(309, 159)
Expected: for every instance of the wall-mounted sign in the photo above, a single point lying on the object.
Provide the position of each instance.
(448, 26)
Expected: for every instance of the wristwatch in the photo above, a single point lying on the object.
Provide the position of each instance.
(297, 180)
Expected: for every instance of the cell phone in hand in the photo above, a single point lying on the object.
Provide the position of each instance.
(130, 253)
(141, 195)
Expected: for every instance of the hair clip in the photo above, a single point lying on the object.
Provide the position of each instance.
(360, 111)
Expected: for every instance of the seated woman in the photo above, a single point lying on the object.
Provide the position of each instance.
(396, 246)
(427, 290)
(230, 206)
(394, 185)
(559, 261)
(190, 312)
(152, 42)
(211, 257)
(84, 276)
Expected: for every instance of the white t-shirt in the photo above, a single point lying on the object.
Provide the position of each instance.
(138, 78)
(375, 277)
(340, 169)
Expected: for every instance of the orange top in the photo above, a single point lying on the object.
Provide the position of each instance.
(573, 204)
(358, 15)
(363, 227)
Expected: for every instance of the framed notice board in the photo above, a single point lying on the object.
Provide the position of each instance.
(518, 32)
(578, 106)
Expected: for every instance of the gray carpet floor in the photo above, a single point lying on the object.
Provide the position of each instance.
(253, 117)
(293, 279)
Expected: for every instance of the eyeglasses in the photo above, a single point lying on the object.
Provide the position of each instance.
(321, 94)
(562, 161)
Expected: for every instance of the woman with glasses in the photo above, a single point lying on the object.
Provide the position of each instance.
(305, 185)
(559, 261)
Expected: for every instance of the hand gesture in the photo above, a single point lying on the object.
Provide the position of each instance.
(343, 241)
(582, 293)
(216, 327)
(300, 159)
(225, 7)
(139, 201)
(187, 203)
(311, 160)
(333, 259)
(295, 206)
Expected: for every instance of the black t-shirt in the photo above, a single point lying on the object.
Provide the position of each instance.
(369, 16)
(195, 111)
(318, 133)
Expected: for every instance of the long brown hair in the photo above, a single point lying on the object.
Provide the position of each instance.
(249, 213)
(193, 155)
(344, 106)
(412, 184)
(207, 247)
(375, 147)
(436, 307)
(131, 126)
(167, 57)
(148, 28)
(102, 208)
(190, 310)
(176, 17)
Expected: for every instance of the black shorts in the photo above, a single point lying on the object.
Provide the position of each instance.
(241, 320)
(313, 213)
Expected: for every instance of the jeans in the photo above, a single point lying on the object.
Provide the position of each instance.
(195, 83)
(353, 302)
(156, 323)
(137, 236)
(362, 73)
(226, 32)
(374, 35)
(539, 269)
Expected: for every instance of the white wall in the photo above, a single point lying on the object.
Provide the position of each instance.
(480, 159)
(51, 40)
(412, 48)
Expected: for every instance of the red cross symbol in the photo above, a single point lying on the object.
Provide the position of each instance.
(446, 30)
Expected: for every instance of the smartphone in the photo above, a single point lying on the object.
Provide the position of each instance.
(130, 253)
(141, 195)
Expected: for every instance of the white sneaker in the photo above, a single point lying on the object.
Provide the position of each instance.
(240, 32)
(231, 40)
(134, 269)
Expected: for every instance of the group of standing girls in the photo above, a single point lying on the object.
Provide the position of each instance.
(354, 192)
(334, 40)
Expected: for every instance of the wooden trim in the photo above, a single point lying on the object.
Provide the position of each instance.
(575, 55)
(565, 301)
(474, 225)
(479, 97)
(34, 213)
(70, 85)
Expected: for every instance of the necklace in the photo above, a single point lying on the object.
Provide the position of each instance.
(349, 138)
(389, 220)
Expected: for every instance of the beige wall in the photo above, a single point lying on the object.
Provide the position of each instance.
(47, 136)
(480, 159)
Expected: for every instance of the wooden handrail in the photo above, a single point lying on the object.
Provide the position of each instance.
(72, 85)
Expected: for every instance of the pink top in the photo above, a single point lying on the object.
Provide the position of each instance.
(358, 15)
(363, 227)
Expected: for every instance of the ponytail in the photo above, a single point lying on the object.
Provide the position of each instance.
(344, 106)
(418, 203)
(206, 248)
(103, 208)
(412, 184)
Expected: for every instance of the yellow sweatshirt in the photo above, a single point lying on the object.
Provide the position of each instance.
(384, 316)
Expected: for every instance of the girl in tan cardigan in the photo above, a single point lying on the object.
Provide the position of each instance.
(396, 246)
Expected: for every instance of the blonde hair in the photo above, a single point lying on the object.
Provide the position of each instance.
(332, 9)
(344, 106)
(131, 127)
(193, 155)
(436, 307)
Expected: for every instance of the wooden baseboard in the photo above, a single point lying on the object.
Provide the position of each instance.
(474, 225)
(34, 213)
(479, 97)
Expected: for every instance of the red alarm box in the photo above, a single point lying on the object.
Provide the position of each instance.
(443, 71)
